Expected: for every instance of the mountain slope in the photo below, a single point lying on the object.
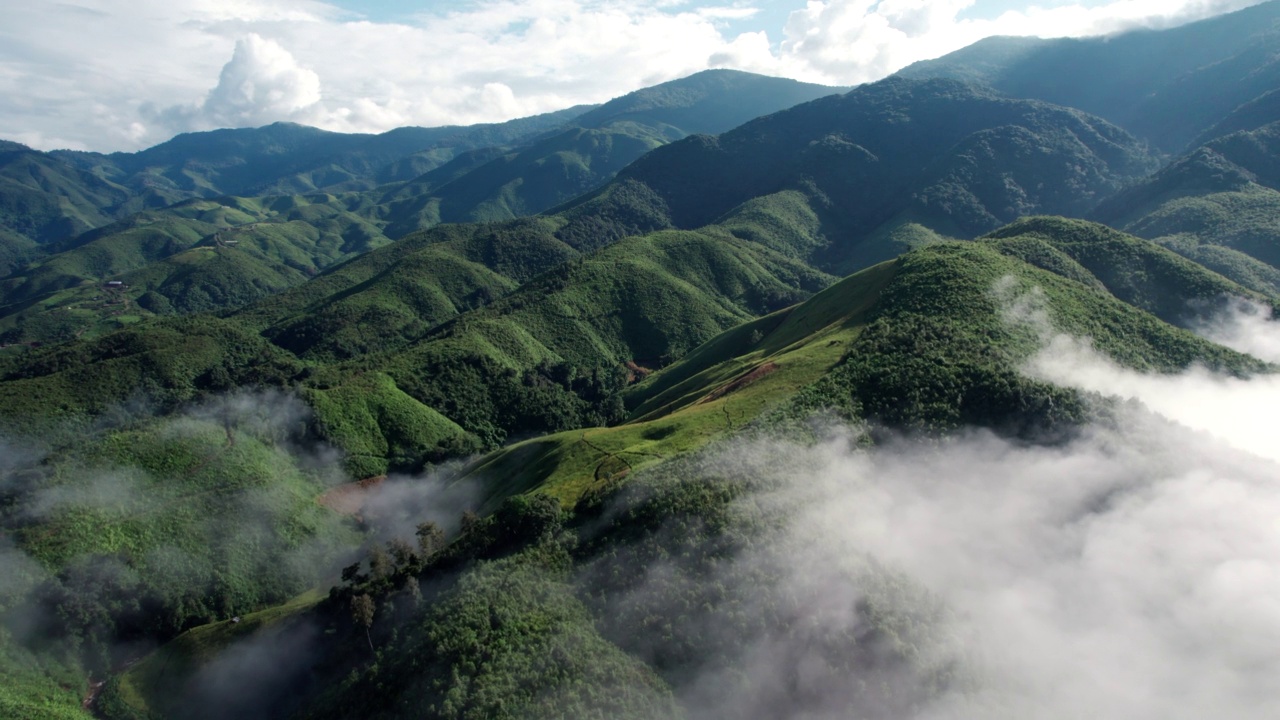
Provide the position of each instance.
(951, 158)
(545, 357)
(43, 199)
(1216, 205)
(287, 159)
(494, 183)
(199, 256)
(1167, 86)
(927, 326)
(46, 197)
(563, 165)
(634, 598)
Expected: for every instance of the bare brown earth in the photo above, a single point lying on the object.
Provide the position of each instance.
(635, 372)
(349, 498)
(740, 382)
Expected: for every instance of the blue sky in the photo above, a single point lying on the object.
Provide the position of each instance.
(113, 75)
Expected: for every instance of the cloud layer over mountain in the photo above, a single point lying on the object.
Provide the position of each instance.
(1128, 572)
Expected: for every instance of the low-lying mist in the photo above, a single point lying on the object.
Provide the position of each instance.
(1133, 571)
(1130, 571)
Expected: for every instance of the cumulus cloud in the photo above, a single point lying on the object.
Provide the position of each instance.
(262, 83)
(99, 75)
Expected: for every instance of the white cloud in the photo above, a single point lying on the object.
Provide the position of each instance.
(1228, 407)
(107, 75)
(1131, 572)
(1247, 327)
(853, 41)
(261, 84)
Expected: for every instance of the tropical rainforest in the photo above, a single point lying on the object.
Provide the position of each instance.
(557, 417)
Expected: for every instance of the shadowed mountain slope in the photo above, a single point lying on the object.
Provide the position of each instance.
(1166, 86)
(899, 156)
(1216, 205)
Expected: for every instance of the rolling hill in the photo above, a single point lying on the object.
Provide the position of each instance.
(547, 602)
(295, 229)
(1216, 205)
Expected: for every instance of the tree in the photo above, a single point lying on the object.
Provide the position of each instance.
(380, 567)
(430, 539)
(470, 521)
(402, 553)
(525, 518)
(362, 610)
(351, 574)
(415, 591)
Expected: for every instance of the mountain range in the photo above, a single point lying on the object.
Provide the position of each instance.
(487, 422)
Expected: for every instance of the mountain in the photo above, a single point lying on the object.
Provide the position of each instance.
(898, 162)
(485, 184)
(197, 256)
(287, 158)
(291, 159)
(705, 103)
(1216, 205)
(55, 195)
(529, 603)
(602, 461)
(563, 165)
(1167, 86)
(538, 358)
(43, 199)
(523, 327)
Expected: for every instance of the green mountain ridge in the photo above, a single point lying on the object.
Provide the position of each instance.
(1166, 86)
(1215, 205)
(199, 256)
(463, 323)
(518, 585)
(899, 153)
(77, 191)
(314, 459)
(492, 183)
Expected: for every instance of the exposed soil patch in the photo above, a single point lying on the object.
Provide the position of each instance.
(635, 372)
(740, 382)
(349, 499)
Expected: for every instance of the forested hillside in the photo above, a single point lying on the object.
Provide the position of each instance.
(733, 397)
(352, 194)
(1168, 87)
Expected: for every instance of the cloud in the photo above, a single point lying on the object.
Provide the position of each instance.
(394, 508)
(1245, 326)
(1132, 572)
(1124, 575)
(261, 84)
(100, 75)
(854, 41)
